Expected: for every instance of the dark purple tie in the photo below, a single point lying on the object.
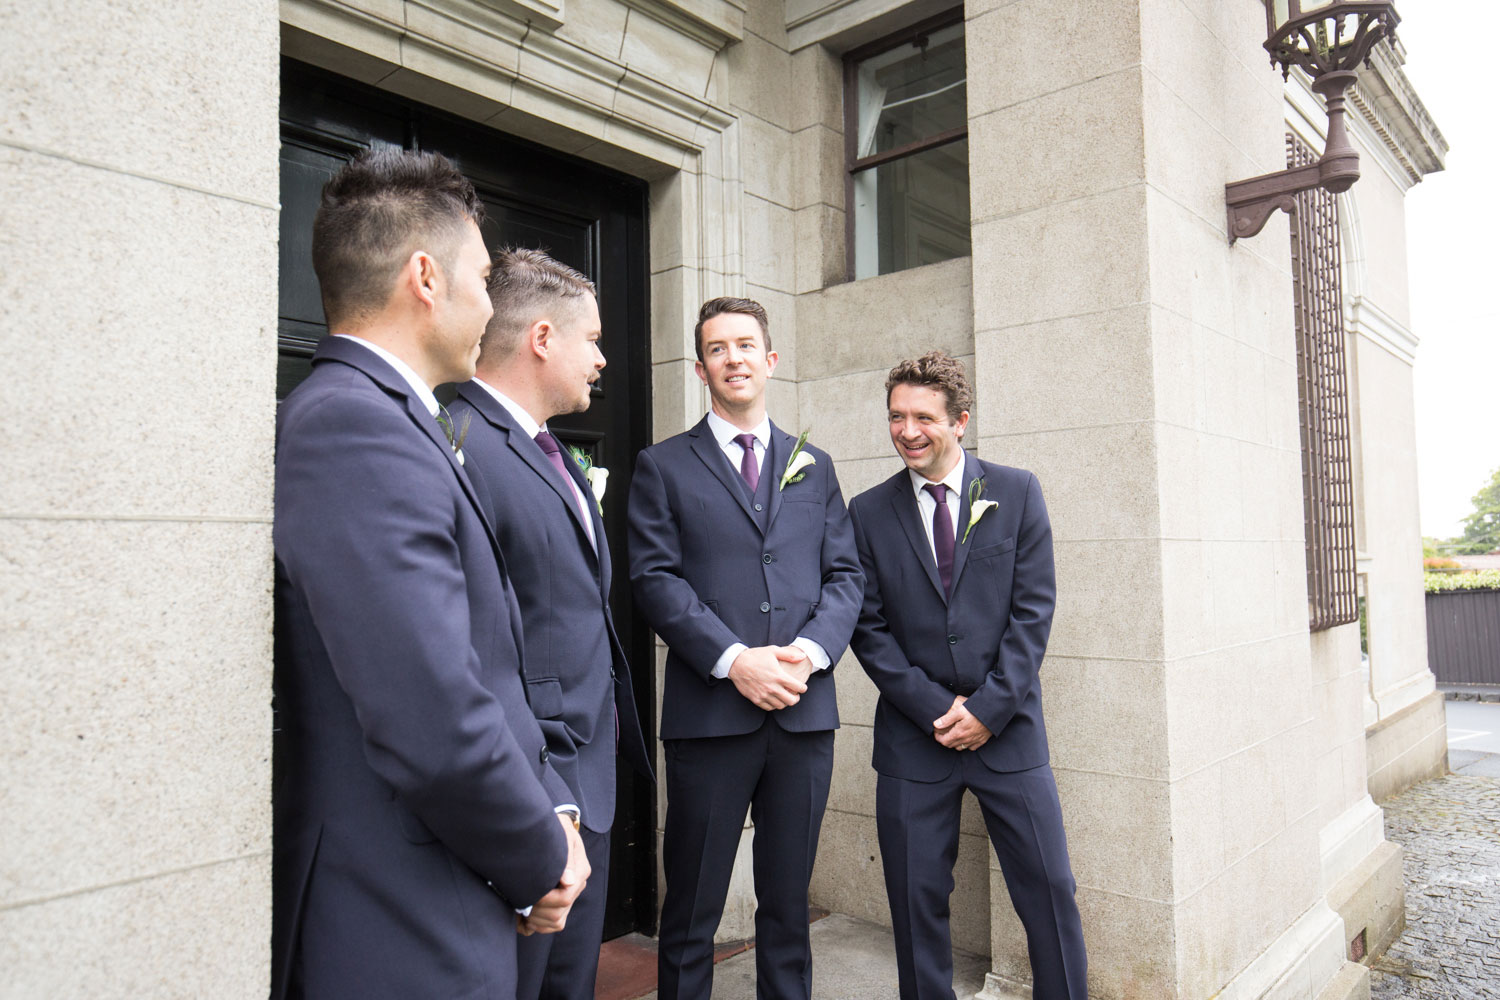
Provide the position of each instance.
(748, 468)
(942, 534)
(553, 451)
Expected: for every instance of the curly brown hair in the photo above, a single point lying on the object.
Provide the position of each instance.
(935, 370)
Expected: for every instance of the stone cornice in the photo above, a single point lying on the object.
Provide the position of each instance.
(1368, 320)
(714, 23)
(536, 71)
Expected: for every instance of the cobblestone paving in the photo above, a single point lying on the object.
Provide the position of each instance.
(1450, 830)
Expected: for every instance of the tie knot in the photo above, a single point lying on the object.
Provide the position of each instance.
(745, 441)
(548, 443)
(939, 491)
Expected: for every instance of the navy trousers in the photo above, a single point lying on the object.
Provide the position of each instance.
(563, 966)
(917, 823)
(783, 779)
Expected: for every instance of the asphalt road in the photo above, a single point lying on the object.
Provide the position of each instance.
(1474, 725)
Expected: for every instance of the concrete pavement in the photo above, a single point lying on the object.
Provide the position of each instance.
(852, 960)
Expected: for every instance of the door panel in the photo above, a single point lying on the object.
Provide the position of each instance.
(587, 217)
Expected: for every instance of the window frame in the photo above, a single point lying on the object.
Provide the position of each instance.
(855, 165)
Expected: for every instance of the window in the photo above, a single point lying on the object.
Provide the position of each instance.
(1323, 403)
(906, 136)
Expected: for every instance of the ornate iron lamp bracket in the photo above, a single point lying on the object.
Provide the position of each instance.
(1319, 43)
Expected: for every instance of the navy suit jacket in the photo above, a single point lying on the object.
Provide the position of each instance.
(985, 640)
(410, 771)
(575, 666)
(707, 574)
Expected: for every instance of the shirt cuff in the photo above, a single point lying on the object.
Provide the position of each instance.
(815, 652)
(721, 667)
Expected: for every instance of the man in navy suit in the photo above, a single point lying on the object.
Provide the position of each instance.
(416, 813)
(958, 602)
(539, 357)
(743, 561)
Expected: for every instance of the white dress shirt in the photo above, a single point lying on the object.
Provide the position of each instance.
(532, 428)
(954, 480)
(725, 433)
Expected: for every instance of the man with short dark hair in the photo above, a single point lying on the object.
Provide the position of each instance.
(539, 357)
(415, 809)
(958, 602)
(743, 562)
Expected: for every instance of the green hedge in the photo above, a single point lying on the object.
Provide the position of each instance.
(1485, 579)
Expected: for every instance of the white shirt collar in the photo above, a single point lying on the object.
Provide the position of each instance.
(517, 412)
(954, 480)
(422, 390)
(724, 432)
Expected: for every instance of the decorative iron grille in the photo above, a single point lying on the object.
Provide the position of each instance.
(1323, 403)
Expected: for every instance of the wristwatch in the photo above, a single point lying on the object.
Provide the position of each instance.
(573, 815)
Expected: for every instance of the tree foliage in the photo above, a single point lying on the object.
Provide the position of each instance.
(1482, 527)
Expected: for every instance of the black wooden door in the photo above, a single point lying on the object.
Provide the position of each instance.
(585, 216)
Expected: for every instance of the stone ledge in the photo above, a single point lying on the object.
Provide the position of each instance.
(1372, 898)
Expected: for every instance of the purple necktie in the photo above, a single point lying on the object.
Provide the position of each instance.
(942, 534)
(553, 450)
(748, 468)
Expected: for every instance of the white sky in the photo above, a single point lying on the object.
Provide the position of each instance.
(1453, 223)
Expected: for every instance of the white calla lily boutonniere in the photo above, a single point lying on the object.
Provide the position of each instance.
(595, 475)
(796, 465)
(977, 507)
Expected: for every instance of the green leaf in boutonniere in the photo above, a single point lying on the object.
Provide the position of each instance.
(977, 507)
(455, 439)
(596, 476)
(796, 466)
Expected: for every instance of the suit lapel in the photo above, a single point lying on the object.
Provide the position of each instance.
(904, 502)
(375, 367)
(777, 455)
(575, 473)
(972, 471)
(524, 448)
(706, 447)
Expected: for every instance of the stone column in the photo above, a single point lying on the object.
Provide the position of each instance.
(138, 216)
(1146, 371)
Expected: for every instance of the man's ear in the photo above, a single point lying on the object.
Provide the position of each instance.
(961, 424)
(421, 278)
(702, 375)
(539, 338)
(771, 358)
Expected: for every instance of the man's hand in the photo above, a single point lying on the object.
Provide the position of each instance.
(550, 913)
(796, 662)
(958, 729)
(761, 677)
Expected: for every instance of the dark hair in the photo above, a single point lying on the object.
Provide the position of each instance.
(935, 370)
(376, 212)
(524, 284)
(728, 304)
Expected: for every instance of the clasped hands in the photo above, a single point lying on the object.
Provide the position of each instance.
(958, 729)
(550, 913)
(771, 677)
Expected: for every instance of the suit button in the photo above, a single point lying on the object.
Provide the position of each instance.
(612, 674)
(766, 559)
(758, 507)
(952, 639)
(764, 607)
(544, 755)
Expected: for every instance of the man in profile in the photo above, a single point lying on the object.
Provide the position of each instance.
(959, 593)
(415, 809)
(743, 561)
(539, 359)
